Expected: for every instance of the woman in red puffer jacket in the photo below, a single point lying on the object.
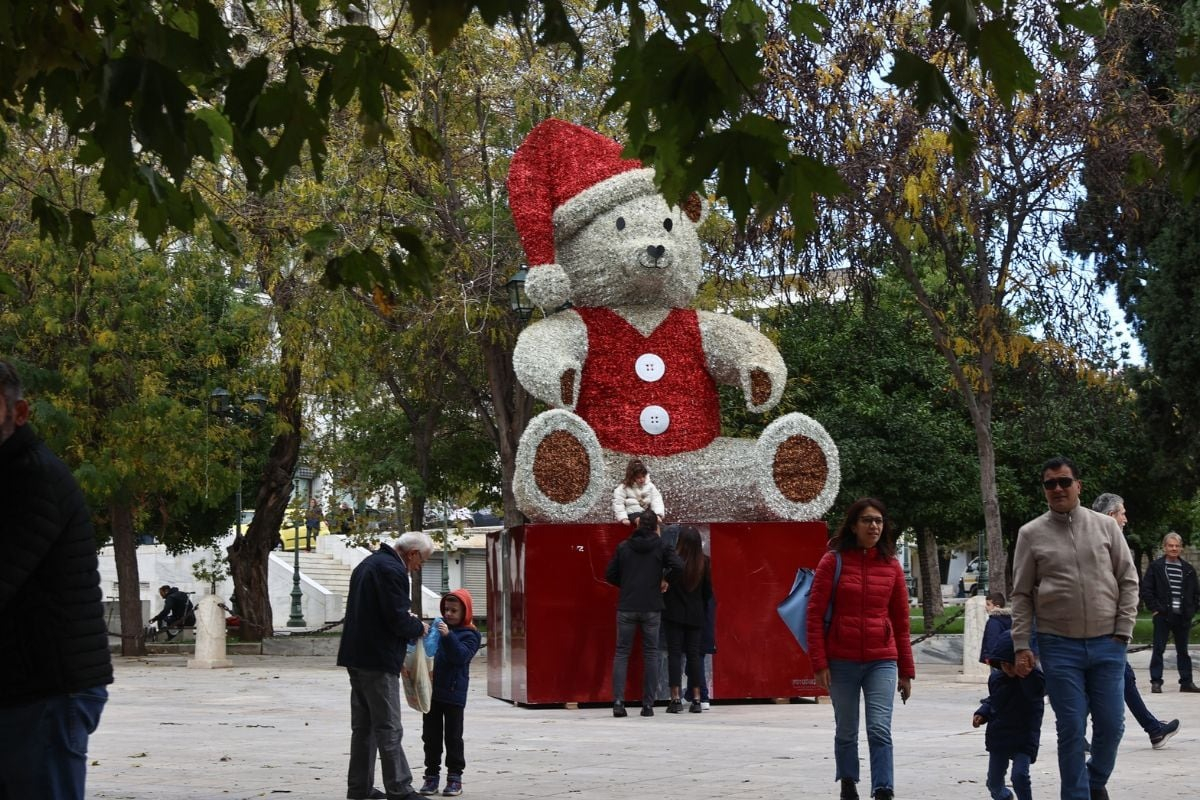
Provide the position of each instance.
(866, 650)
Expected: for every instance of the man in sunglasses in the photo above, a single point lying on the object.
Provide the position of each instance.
(1075, 583)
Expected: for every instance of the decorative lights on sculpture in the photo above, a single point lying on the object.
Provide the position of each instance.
(631, 370)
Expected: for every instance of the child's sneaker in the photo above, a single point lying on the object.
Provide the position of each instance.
(675, 707)
(453, 786)
(430, 786)
(696, 707)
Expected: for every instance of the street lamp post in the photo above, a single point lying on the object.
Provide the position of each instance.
(296, 620)
(518, 301)
(445, 553)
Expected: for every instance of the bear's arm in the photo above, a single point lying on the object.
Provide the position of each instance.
(549, 356)
(738, 355)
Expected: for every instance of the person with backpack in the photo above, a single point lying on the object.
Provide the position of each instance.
(865, 651)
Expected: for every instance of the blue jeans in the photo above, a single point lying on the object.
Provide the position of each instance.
(1137, 706)
(1085, 676)
(628, 622)
(876, 682)
(1022, 786)
(43, 745)
(1178, 628)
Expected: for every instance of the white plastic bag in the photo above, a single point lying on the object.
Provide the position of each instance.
(417, 677)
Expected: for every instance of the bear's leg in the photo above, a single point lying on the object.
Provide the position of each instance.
(798, 468)
(559, 471)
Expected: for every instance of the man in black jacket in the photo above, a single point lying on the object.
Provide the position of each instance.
(378, 626)
(1170, 591)
(641, 568)
(177, 610)
(55, 663)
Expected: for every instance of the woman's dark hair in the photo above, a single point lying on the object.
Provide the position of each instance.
(846, 539)
(691, 550)
(634, 470)
(648, 521)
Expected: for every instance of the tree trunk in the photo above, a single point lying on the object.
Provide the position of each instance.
(129, 585)
(931, 577)
(248, 556)
(513, 407)
(996, 554)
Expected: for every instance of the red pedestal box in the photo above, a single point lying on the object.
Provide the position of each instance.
(552, 616)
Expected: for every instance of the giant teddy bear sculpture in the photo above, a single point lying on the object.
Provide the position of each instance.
(629, 368)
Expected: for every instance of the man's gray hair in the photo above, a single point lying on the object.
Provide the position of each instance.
(415, 540)
(1107, 503)
(10, 384)
(1170, 536)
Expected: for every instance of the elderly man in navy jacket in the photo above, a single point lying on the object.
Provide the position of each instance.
(379, 625)
(55, 664)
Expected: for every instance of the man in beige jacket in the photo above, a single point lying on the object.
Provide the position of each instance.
(1075, 583)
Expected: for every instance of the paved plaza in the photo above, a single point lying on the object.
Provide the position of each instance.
(278, 727)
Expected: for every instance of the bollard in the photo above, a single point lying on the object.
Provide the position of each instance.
(974, 620)
(210, 635)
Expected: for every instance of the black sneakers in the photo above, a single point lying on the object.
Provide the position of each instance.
(1169, 729)
(849, 790)
(675, 707)
(695, 707)
(883, 794)
(1189, 687)
(647, 711)
(1156, 687)
(619, 709)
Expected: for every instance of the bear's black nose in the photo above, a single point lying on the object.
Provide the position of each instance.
(655, 251)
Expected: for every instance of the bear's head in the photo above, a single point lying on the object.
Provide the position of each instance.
(595, 228)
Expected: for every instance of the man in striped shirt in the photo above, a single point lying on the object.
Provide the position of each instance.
(1170, 591)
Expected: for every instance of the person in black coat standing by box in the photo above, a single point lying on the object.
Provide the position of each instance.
(641, 568)
(56, 663)
(1170, 591)
(379, 625)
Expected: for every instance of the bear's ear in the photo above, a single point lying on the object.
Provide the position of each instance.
(695, 207)
(548, 286)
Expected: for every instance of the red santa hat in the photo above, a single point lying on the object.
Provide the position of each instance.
(563, 176)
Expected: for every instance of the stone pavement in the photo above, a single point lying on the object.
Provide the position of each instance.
(278, 727)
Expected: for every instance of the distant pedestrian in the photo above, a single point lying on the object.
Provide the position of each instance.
(177, 611)
(312, 523)
(1074, 581)
(1159, 730)
(55, 663)
(641, 568)
(1012, 711)
(866, 650)
(378, 626)
(451, 674)
(1171, 592)
(683, 618)
(636, 494)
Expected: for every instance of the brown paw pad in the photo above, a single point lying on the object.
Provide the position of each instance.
(561, 467)
(800, 469)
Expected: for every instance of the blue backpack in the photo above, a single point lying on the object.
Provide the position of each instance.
(794, 608)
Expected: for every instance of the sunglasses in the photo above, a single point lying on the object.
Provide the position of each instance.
(1061, 483)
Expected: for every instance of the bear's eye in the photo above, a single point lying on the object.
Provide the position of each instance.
(620, 223)
(667, 223)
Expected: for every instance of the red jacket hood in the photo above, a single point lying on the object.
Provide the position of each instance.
(465, 598)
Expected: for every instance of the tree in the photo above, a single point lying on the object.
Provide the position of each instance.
(119, 351)
(967, 233)
(1140, 234)
(155, 89)
(866, 368)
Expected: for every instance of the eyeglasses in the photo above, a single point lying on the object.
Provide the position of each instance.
(1061, 483)
(871, 520)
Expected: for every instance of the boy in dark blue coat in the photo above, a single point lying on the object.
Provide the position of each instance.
(451, 671)
(1013, 709)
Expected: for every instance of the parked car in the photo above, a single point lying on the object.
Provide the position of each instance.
(974, 578)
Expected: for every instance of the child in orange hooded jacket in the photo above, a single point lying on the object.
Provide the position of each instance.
(451, 672)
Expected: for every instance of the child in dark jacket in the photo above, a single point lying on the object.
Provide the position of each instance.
(1012, 710)
(451, 667)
